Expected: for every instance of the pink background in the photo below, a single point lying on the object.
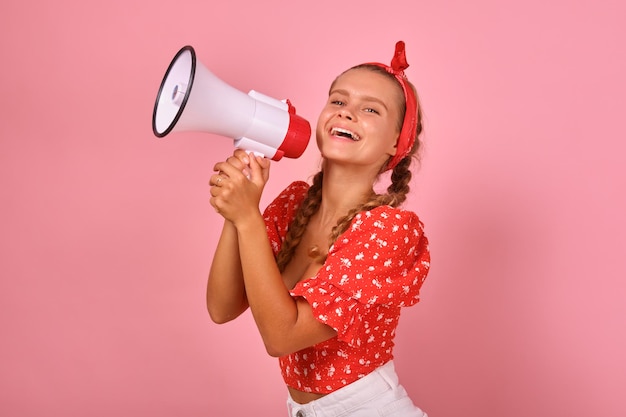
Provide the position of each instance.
(107, 232)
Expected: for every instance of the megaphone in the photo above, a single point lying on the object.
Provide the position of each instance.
(191, 98)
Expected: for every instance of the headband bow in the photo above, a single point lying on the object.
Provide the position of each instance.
(409, 126)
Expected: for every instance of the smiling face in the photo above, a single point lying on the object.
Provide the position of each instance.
(361, 120)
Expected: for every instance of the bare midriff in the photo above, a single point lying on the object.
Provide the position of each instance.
(303, 397)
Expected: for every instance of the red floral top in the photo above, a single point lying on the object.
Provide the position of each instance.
(373, 269)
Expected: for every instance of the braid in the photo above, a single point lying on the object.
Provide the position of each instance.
(400, 179)
(396, 195)
(308, 208)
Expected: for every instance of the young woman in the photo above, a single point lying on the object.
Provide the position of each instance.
(327, 267)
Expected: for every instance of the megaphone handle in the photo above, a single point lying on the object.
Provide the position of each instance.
(260, 149)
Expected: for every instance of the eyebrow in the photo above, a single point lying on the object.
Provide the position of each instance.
(364, 98)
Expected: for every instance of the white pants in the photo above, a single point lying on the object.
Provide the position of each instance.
(375, 395)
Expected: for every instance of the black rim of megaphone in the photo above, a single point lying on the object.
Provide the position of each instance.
(189, 87)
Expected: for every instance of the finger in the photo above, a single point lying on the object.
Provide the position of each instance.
(216, 180)
(227, 170)
(264, 168)
(237, 162)
(256, 171)
(213, 202)
(217, 189)
(242, 155)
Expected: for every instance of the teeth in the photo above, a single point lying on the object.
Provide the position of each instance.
(337, 131)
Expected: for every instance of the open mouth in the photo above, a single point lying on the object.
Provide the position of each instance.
(337, 131)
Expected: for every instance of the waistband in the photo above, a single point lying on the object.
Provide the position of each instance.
(356, 394)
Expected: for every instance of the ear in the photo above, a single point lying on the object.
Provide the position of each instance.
(393, 149)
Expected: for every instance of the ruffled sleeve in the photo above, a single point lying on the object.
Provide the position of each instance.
(280, 213)
(380, 262)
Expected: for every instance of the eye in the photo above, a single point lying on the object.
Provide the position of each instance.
(371, 110)
(337, 102)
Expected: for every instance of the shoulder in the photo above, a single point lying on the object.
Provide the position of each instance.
(289, 198)
(386, 220)
(295, 191)
(383, 233)
(383, 257)
(279, 214)
(296, 188)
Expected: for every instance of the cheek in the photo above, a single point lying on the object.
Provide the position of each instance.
(322, 120)
(319, 130)
(389, 138)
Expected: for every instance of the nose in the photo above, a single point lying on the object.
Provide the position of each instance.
(346, 113)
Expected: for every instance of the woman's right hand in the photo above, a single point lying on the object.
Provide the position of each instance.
(237, 186)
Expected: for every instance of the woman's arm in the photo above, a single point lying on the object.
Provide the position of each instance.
(226, 295)
(285, 324)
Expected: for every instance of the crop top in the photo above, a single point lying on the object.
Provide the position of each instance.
(372, 270)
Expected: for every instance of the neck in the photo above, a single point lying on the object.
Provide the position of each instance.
(342, 190)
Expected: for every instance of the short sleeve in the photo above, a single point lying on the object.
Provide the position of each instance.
(280, 213)
(381, 261)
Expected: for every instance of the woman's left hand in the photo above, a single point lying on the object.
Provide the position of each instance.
(237, 186)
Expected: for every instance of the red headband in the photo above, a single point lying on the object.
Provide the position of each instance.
(409, 126)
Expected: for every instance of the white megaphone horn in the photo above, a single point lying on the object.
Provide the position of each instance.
(191, 98)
